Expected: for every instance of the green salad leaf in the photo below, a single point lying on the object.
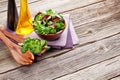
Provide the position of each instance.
(48, 22)
(33, 45)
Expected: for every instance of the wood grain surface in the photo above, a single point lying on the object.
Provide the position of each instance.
(97, 57)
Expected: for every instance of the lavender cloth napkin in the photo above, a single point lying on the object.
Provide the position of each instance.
(67, 39)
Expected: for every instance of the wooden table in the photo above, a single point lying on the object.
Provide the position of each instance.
(97, 57)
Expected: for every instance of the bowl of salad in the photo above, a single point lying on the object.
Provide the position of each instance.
(49, 25)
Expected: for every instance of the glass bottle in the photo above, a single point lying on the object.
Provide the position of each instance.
(25, 21)
(12, 15)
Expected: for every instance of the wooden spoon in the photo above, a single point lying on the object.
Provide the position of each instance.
(17, 38)
(23, 59)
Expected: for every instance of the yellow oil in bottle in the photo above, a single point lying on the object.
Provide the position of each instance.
(24, 26)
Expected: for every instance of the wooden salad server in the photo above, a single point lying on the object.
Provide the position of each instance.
(21, 58)
(17, 38)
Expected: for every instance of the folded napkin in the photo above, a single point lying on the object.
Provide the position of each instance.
(67, 39)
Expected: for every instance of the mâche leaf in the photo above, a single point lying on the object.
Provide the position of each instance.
(33, 45)
(48, 22)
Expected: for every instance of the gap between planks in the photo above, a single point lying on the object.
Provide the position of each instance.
(115, 78)
(94, 72)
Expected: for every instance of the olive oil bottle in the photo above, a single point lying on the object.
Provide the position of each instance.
(12, 15)
(24, 26)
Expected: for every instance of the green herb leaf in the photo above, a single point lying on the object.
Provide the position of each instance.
(47, 48)
(33, 45)
(48, 22)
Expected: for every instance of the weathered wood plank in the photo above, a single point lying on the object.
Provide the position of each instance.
(95, 12)
(101, 71)
(51, 4)
(4, 4)
(107, 23)
(62, 5)
(94, 23)
(117, 78)
(75, 60)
